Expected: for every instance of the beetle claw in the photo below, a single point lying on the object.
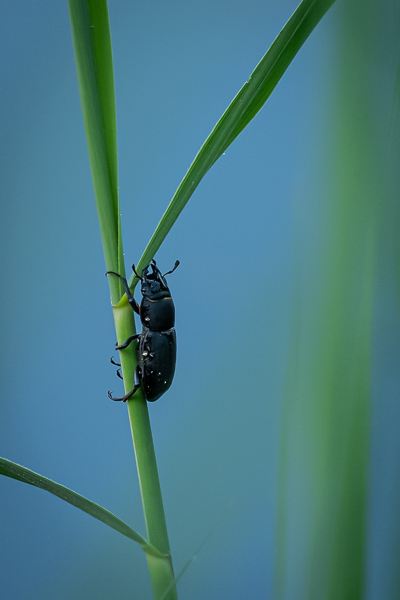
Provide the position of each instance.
(123, 398)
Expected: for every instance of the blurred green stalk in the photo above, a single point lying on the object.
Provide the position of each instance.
(324, 460)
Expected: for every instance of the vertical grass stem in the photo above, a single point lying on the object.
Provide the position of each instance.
(161, 571)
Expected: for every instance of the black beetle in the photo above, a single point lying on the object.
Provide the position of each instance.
(157, 341)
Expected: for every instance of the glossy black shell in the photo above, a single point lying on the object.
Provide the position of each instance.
(157, 310)
(157, 360)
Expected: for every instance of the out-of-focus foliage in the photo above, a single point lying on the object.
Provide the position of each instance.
(325, 457)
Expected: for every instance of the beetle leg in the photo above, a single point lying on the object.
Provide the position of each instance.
(126, 343)
(135, 306)
(124, 398)
(131, 299)
(129, 394)
(112, 361)
(137, 376)
(119, 374)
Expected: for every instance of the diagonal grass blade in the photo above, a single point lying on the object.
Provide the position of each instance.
(15, 471)
(240, 112)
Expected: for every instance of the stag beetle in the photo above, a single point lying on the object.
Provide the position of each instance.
(157, 341)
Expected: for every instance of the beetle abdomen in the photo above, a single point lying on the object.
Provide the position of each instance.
(157, 359)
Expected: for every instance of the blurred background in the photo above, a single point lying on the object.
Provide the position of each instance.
(277, 445)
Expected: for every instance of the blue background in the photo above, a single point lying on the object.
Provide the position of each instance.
(177, 66)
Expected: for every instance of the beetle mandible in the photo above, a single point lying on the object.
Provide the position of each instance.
(157, 340)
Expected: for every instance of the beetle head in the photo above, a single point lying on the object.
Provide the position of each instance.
(154, 284)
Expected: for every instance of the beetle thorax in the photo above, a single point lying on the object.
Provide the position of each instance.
(157, 314)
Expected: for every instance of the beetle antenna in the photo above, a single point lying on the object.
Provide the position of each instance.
(177, 263)
(134, 270)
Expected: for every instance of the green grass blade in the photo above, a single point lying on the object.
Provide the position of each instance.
(323, 492)
(93, 55)
(92, 44)
(15, 471)
(240, 112)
